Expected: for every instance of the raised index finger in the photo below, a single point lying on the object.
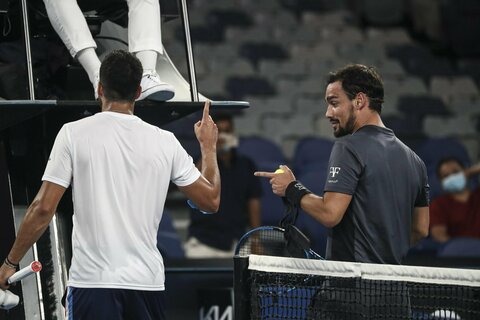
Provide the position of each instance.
(265, 174)
(206, 110)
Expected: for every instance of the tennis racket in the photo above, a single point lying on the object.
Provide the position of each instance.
(276, 241)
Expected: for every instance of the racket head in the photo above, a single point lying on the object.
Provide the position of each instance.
(265, 240)
(272, 241)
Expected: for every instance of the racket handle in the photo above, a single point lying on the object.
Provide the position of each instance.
(34, 267)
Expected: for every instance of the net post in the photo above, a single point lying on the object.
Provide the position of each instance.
(241, 301)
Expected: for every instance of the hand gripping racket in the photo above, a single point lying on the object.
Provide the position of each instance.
(9, 300)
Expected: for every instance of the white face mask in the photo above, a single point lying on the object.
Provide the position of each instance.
(229, 140)
(454, 183)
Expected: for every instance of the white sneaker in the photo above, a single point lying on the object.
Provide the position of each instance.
(95, 85)
(155, 89)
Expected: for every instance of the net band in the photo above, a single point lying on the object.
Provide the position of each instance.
(270, 287)
(445, 276)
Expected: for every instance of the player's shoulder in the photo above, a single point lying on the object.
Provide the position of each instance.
(350, 142)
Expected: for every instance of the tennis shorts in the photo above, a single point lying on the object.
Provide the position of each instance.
(114, 304)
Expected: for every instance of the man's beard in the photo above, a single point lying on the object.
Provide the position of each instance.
(348, 129)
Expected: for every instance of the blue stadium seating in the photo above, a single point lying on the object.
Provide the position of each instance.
(310, 152)
(461, 247)
(267, 157)
(314, 179)
(261, 150)
(168, 241)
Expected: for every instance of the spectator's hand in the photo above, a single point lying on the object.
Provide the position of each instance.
(279, 181)
(5, 273)
(206, 130)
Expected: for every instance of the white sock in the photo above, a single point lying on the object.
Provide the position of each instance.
(148, 58)
(89, 60)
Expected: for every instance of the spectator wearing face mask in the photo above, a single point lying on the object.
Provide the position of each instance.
(457, 212)
(215, 235)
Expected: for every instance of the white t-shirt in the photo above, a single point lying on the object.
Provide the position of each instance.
(120, 168)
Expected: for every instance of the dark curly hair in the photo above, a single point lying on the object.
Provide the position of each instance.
(356, 78)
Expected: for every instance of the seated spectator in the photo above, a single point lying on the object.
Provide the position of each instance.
(457, 212)
(144, 39)
(215, 235)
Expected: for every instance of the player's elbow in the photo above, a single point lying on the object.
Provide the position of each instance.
(328, 219)
(422, 231)
(330, 222)
(211, 203)
(42, 210)
(419, 232)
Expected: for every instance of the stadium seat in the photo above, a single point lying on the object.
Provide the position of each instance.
(451, 87)
(311, 106)
(276, 105)
(261, 151)
(280, 128)
(457, 17)
(237, 36)
(168, 241)
(470, 67)
(247, 125)
(386, 12)
(419, 106)
(335, 18)
(311, 152)
(426, 246)
(238, 87)
(462, 125)
(388, 36)
(223, 18)
(433, 150)
(272, 207)
(267, 157)
(273, 70)
(313, 177)
(259, 51)
(404, 127)
(404, 86)
(461, 247)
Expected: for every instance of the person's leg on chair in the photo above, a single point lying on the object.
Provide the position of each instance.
(68, 21)
(145, 40)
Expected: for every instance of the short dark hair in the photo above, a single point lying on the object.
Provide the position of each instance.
(448, 159)
(356, 78)
(120, 76)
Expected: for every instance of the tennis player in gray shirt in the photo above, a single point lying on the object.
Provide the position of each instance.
(376, 194)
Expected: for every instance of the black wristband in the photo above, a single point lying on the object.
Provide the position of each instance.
(10, 264)
(295, 192)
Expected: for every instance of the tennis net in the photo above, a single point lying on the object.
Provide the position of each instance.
(268, 287)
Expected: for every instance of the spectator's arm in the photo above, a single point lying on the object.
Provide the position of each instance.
(473, 170)
(439, 233)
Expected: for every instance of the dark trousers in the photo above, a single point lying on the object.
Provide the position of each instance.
(114, 304)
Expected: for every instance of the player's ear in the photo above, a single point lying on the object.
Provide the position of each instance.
(138, 93)
(100, 90)
(360, 101)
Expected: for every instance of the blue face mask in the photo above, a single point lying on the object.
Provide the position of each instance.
(454, 183)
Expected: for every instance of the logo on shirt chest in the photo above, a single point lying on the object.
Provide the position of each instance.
(334, 171)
